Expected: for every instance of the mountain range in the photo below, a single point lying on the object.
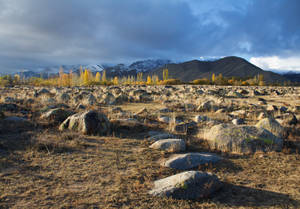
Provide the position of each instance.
(227, 66)
(185, 71)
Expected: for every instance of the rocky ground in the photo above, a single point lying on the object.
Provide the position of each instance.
(150, 147)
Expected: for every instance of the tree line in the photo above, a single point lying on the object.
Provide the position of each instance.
(87, 78)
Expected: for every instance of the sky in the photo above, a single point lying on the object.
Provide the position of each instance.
(35, 33)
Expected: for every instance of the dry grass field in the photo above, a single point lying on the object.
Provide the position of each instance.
(42, 167)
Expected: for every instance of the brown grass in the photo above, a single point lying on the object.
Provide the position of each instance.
(50, 170)
(43, 168)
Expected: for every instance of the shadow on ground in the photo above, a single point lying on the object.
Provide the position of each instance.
(241, 196)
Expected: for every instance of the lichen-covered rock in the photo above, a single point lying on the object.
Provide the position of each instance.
(241, 139)
(271, 125)
(187, 185)
(88, 122)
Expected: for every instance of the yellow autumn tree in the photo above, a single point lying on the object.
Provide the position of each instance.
(116, 80)
(149, 80)
(165, 74)
(98, 77)
(155, 79)
(104, 76)
(139, 78)
(261, 81)
(213, 78)
(85, 77)
(60, 79)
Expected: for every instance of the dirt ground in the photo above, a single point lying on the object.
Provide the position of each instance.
(47, 169)
(41, 167)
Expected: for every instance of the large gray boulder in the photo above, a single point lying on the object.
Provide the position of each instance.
(170, 145)
(271, 125)
(190, 160)
(241, 139)
(187, 185)
(56, 115)
(88, 122)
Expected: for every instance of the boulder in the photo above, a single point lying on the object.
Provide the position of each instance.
(120, 99)
(127, 126)
(63, 97)
(170, 145)
(201, 118)
(238, 121)
(235, 94)
(187, 185)
(108, 99)
(164, 110)
(207, 106)
(43, 91)
(241, 139)
(9, 100)
(183, 127)
(10, 107)
(116, 110)
(287, 119)
(271, 108)
(190, 160)
(262, 115)
(56, 115)
(143, 111)
(271, 125)
(88, 122)
(159, 136)
(89, 100)
(15, 124)
(164, 119)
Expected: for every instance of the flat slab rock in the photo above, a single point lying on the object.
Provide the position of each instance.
(170, 145)
(190, 160)
(187, 185)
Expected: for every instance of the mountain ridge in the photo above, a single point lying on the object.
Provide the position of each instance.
(230, 66)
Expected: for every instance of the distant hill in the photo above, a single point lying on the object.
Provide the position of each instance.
(292, 76)
(111, 70)
(185, 71)
(227, 66)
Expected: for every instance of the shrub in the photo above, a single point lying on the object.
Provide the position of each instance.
(170, 82)
(202, 81)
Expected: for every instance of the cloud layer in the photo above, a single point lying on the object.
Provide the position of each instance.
(53, 32)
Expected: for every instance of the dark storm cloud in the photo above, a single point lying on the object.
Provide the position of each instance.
(43, 32)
